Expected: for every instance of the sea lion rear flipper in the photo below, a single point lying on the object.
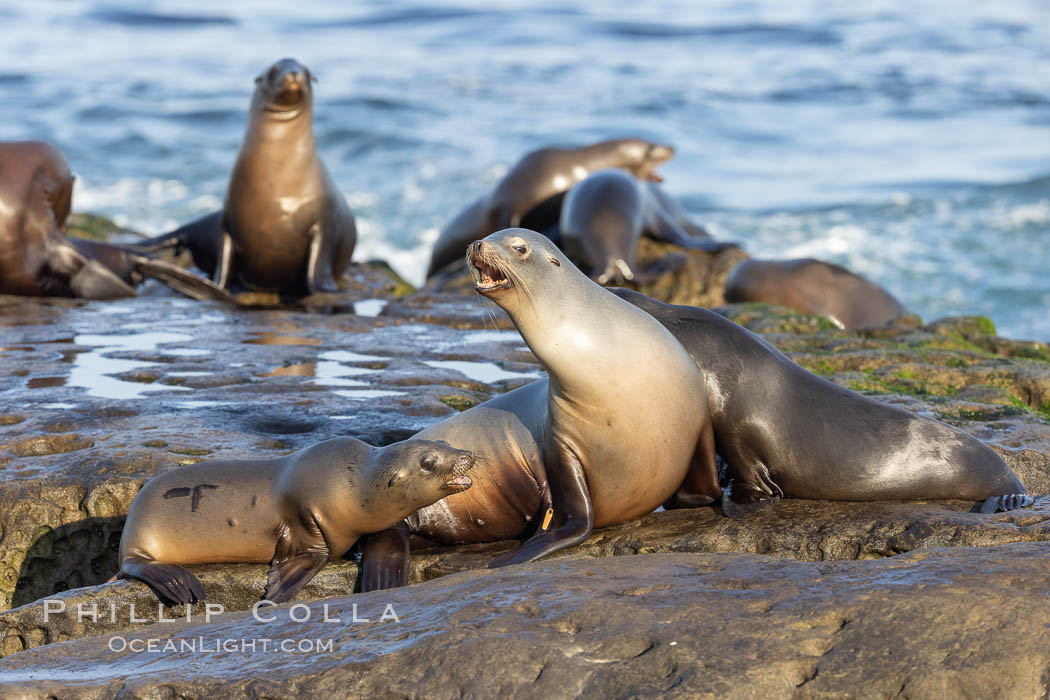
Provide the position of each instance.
(662, 228)
(181, 280)
(319, 264)
(96, 281)
(741, 500)
(668, 264)
(172, 583)
(1009, 501)
(384, 559)
(568, 521)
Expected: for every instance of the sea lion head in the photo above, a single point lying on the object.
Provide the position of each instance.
(415, 473)
(513, 267)
(641, 157)
(284, 90)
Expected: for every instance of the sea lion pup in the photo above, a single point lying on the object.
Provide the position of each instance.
(604, 216)
(627, 416)
(814, 287)
(784, 431)
(284, 225)
(295, 513)
(36, 257)
(536, 182)
(510, 484)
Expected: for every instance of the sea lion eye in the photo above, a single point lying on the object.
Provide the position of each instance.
(428, 463)
(520, 248)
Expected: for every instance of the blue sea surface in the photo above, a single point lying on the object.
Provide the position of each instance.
(907, 141)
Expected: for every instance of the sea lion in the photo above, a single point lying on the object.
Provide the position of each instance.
(814, 287)
(533, 181)
(510, 484)
(36, 257)
(605, 215)
(284, 225)
(622, 431)
(784, 431)
(295, 513)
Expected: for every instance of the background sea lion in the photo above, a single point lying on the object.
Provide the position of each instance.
(814, 287)
(36, 257)
(532, 183)
(296, 513)
(785, 431)
(604, 216)
(607, 459)
(284, 226)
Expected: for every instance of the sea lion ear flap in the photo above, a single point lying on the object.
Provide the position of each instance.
(554, 261)
(395, 478)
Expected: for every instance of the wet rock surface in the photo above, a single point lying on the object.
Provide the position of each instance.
(100, 396)
(938, 623)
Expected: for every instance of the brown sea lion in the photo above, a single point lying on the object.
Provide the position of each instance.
(533, 181)
(622, 431)
(784, 431)
(604, 216)
(814, 287)
(284, 225)
(295, 513)
(36, 257)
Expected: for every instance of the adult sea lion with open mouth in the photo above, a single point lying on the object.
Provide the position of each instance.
(784, 431)
(814, 287)
(607, 458)
(36, 257)
(296, 513)
(533, 189)
(605, 215)
(284, 225)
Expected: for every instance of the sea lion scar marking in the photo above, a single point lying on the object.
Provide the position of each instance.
(195, 501)
(177, 492)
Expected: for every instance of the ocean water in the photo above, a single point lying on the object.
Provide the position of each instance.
(907, 141)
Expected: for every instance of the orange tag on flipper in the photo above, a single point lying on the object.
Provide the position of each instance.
(547, 519)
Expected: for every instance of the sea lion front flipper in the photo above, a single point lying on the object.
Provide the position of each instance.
(172, 583)
(319, 265)
(700, 487)
(294, 563)
(96, 281)
(568, 521)
(1009, 501)
(741, 500)
(224, 261)
(181, 280)
(384, 559)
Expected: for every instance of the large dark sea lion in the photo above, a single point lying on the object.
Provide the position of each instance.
(626, 419)
(534, 182)
(284, 225)
(36, 257)
(295, 513)
(604, 216)
(784, 431)
(814, 287)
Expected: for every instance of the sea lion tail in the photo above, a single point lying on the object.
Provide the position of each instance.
(181, 280)
(172, 583)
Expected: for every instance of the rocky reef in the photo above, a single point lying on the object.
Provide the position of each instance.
(924, 598)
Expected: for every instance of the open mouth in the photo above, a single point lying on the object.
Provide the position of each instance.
(487, 277)
(460, 481)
